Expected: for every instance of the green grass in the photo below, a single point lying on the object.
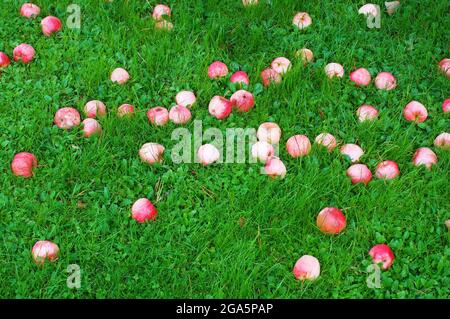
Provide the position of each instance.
(224, 230)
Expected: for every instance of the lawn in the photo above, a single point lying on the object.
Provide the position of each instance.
(225, 230)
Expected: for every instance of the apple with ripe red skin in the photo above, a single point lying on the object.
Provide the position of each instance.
(387, 170)
(443, 141)
(270, 76)
(67, 118)
(29, 10)
(327, 140)
(242, 100)
(240, 77)
(275, 168)
(269, 132)
(298, 146)
(334, 70)
(24, 53)
(262, 151)
(415, 112)
(353, 151)
(217, 70)
(23, 164)
(446, 106)
(359, 173)
(120, 76)
(361, 77)
(50, 25)
(444, 65)
(4, 60)
(143, 210)
(306, 268)
(44, 250)
(425, 156)
(95, 108)
(220, 107)
(179, 114)
(151, 153)
(91, 127)
(382, 254)
(366, 113)
(125, 110)
(160, 11)
(281, 65)
(331, 220)
(208, 154)
(385, 81)
(158, 115)
(185, 98)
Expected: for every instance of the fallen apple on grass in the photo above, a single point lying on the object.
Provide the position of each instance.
(262, 151)
(269, 76)
(240, 77)
(29, 10)
(217, 69)
(275, 168)
(24, 53)
(446, 106)
(67, 118)
(425, 156)
(353, 151)
(387, 170)
(158, 115)
(366, 113)
(95, 108)
(415, 112)
(185, 98)
(50, 25)
(208, 154)
(298, 146)
(143, 210)
(385, 81)
(281, 65)
(179, 114)
(4, 60)
(269, 132)
(220, 107)
(125, 110)
(120, 76)
(442, 141)
(302, 20)
(23, 164)
(444, 66)
(334, 70)
(306, 268)
(44, 250)
(359, 173)
(306, 55)
(327, 140)
(331, 220)
(382, 254)
(151, 153)
(361, 77)
(242, 100)
(159, 11)
(91, 127)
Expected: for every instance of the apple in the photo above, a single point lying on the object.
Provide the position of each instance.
(158, 115)
(242, 100)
